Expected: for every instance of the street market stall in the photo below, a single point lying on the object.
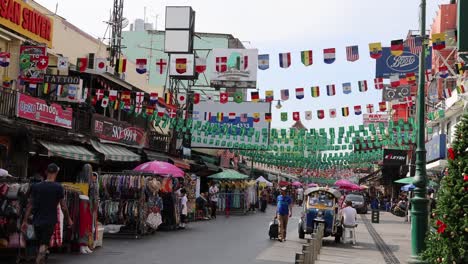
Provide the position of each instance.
(235, 194)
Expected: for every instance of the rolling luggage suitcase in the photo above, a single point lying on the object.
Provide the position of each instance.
(274, 229)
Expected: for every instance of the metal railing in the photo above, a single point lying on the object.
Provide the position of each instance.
(311, 249)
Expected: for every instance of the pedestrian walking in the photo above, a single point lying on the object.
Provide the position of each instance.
(43, 203)
(213, 199)
(283, 212)
(184, 209)
(263, 200)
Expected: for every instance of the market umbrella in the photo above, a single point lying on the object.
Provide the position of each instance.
(262, 179)
(296, 184)
(409, 180)
(352, 187)
(228, 175)
(344, 184)
(161, 168)
(283, 183)
(310, 185)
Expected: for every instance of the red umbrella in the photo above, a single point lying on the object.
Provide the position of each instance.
(283, 183)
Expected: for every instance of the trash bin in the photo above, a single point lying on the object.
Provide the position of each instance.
(375, 216)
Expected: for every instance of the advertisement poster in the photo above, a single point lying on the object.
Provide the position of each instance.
(234, 68)
(408, 62)
(114, 131)
(30, 58)
(375, 119)
(38, 110)
(240, 116)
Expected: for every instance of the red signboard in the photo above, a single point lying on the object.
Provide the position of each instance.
(108, 129)
(38, 110)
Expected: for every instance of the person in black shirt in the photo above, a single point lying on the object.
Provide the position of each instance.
(43, 202)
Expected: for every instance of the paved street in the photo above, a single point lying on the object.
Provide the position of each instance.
(237, 239)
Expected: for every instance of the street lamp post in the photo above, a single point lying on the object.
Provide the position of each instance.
(419, 209)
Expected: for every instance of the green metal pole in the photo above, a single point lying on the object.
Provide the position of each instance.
(419, 204)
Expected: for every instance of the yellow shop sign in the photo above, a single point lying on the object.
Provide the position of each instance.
(25, 20)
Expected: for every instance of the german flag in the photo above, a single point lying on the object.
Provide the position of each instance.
(268, 117)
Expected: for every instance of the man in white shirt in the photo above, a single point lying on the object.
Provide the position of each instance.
(213, 199)
(184, 209)
(349, 215)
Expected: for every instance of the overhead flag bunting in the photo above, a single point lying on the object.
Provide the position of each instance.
(370, 108)
(394, 80)
(329, 55)
(62, 63)
(357, 110)
(296, 116)
(438, 41)
(82, 64)
(306, 57)
(141, 66)
(378, 83)
(396, 47)
(315, 90)
(428, 75)
(196, 98)
(269, 97)
(461, 89)
(345, 111)
(320, 114)
(223, 97)
(268, 117)
(200, 65)
(308, 115)
(414, 44)
(238, 97)
(121, 65)
(182, 99)
(284, 94)
(284, 116)
(263, 61)
(254, 96)
(332, 113)
(219, 116)
(256, 117)
(347, 88)
(162, 65)
(352, 53)
(4, 59)
(383, 106)
(443, 72)
(331, 90)
(411, 78)
(153, 98)
(447, 93)
(221, 64)
(375, 50)
(232, 117)
(105, 102)
(168, 98)
(362, 86)
(459, 68)
(285, 60)
(299, 93)
(99, 94)
(100, 64)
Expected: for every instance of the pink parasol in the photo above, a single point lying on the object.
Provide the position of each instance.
(312, 185)
(344, 184)
(296, 184)
(161, 168)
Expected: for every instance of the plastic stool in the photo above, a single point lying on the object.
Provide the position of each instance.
(349, 232)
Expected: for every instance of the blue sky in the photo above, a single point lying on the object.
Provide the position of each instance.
(286, 26)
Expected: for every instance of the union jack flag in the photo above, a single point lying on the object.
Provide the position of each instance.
(352, 53)
(414, 44)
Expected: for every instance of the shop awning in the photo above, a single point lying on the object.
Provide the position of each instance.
(183, 164)
(69, 151)
(152, 155)
(228, 175)
(114, 152)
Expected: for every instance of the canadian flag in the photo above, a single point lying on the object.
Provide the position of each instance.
(182, 99)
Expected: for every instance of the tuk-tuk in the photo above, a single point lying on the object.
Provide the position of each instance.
(321, 206)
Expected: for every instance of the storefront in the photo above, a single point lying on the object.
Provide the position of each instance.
(436, 156)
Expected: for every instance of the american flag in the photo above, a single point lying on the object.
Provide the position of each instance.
(352, 53)
(414, 44)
